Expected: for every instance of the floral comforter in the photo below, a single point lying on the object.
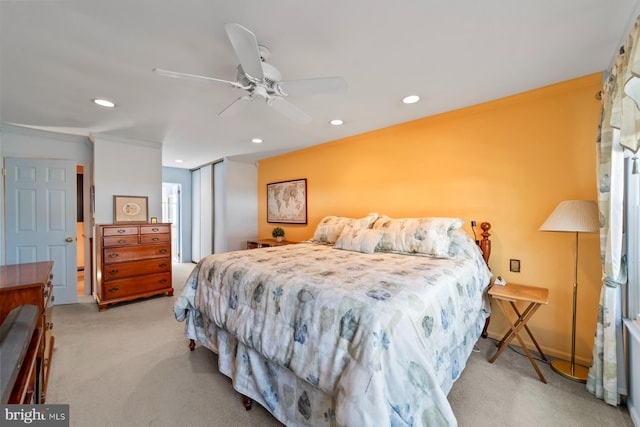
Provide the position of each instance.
(322, 336)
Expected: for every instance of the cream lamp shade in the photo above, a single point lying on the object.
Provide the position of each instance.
(580, 216)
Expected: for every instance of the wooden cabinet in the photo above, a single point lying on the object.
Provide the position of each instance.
(133, 261)
(266, 243)
(30, 283)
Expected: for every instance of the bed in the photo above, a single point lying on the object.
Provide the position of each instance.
(368, 323)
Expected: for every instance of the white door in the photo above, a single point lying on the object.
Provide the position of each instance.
(41, 219)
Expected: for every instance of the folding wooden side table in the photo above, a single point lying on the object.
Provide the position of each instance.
(510, 294)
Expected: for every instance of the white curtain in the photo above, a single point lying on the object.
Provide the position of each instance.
(619, 130)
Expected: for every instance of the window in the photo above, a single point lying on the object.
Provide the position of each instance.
(632, 217)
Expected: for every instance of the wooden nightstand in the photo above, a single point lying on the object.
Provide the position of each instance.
(509, 294)
(266, 243)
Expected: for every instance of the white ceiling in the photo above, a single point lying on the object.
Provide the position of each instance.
(55, 56)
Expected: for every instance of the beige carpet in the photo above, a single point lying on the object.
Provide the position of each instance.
(130, 366)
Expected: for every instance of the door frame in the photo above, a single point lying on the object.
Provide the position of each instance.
(176, 233)
(42, 182)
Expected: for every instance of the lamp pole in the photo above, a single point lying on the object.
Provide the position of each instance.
(575, 301)
(569, 369)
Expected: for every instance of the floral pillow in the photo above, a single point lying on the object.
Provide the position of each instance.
(362, 240)
(429, 236)
(329, 229)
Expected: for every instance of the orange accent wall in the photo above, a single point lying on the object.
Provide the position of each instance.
(508, 162)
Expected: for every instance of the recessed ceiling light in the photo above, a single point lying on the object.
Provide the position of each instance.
(179, 161)
(104, 103)
(336, 122)
(411, 99)
(256, 141)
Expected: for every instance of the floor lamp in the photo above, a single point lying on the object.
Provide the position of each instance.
(573, 216)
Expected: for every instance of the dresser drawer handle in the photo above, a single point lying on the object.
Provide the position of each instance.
(113, 255)
(121, 241)
(114, 289)
(163, 250)
(113, 271)
(121, 230)
(163, 265)
(162, 281)
(155, 239)
(48, 326)
(154, 229)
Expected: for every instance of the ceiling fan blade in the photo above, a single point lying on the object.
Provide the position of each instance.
(233, 108)
(246, 47)
(288, 109)
(313, 86)
(179, 75)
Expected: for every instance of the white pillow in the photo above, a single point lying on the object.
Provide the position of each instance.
(362, 240)
(328, 230)
(430, 235)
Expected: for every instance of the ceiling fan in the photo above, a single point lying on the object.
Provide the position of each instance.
(263, 81)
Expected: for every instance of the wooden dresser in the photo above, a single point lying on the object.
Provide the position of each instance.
(133, 261)
(30, 283)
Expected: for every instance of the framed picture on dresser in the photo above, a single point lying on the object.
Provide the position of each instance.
(130, 209)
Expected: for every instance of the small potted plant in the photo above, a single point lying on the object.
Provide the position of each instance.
(278, 234)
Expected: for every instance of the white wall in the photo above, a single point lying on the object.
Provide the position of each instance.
(241, 204)
(127, 168)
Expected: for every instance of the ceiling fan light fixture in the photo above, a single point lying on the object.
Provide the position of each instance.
(103, 102)
(411, 99)
(262, 80)
(256, 140)
(336, 122)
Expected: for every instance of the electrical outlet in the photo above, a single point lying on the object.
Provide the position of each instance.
(514, 265)
(473, 229)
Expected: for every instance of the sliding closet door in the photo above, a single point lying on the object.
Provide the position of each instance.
(206, 211)
(219, 202)
(195, 216)
(225, 207)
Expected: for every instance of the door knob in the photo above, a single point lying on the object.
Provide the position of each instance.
(69, 239)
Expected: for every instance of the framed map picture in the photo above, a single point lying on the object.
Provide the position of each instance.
(287, 202)
(130, 209)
